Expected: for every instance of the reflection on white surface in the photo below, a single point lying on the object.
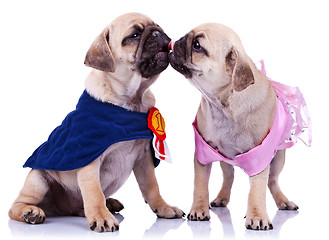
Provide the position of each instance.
(56, 227)
(161, 226)
(76, 227)
(200, 229)
(224, 216)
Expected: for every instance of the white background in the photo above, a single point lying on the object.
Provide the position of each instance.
(42, 49)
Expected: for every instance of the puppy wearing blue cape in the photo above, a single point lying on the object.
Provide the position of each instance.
(113, 131)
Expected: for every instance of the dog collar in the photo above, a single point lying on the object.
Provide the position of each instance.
(287, 126)
(89, 130)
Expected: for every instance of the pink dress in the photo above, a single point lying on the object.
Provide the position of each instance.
(291, 119)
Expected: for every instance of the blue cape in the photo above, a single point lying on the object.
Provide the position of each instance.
(86, 133)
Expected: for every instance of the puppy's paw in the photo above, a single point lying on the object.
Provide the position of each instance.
(199, 214)
(105, 222)
(114, 205)
(258, 223)
(219, 202)
(287, 205)
(33, 215)
(167, 211)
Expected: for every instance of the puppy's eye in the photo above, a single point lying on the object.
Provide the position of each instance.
(132, 38)
(196, 45)
(136, 35)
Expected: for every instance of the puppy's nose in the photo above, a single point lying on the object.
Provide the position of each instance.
(156, 34)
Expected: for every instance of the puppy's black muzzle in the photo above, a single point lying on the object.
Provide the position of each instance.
(155, 41)
(180, 49)
(153, 56)
(179, 57)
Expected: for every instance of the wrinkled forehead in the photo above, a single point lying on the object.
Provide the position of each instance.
(217, 35)
(130, 21)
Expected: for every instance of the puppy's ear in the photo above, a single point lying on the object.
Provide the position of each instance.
(99, 55)
(240, 71)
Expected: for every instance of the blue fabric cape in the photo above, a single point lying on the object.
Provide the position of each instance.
(86, 133)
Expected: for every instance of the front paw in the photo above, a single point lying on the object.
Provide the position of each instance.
(167, 211)
(103, 222)
(258, 222)
(199, 214)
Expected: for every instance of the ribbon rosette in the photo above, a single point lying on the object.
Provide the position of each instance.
(156, 123)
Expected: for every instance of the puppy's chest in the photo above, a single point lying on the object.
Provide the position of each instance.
(228, 138)
(117, 162)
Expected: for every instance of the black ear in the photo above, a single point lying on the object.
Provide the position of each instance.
(241, 73)
(99, 55)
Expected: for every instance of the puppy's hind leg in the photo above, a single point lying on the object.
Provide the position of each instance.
(224, 194)
(24, 208)
(276, 167)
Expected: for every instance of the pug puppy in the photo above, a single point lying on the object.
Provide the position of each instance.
(236, 113)
(127, 57)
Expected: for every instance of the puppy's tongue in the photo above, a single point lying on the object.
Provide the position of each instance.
(171, 46)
